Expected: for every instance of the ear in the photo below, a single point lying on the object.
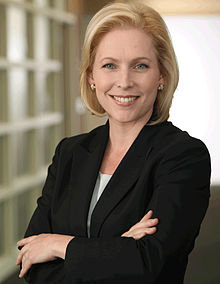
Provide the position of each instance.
(161, 80)
(90, 78)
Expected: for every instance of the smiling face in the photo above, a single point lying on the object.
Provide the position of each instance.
(126, 75)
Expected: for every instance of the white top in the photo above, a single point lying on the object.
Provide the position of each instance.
(100, 185)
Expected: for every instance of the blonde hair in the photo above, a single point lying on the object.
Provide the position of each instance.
(139, 15)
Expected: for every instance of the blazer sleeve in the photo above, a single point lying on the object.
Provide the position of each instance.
(180, 200)
(53, 271)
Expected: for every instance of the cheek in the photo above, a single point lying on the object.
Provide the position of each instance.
(103, 81)
(102, 85)
(151, 85)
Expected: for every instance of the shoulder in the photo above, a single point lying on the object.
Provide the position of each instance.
(67, 144)
(170, 138)
(175, 150)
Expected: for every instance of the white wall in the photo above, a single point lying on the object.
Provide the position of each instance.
(196, 104)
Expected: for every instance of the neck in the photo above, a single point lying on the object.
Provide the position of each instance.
(122, 135)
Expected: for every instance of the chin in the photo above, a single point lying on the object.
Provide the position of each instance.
(130, 118)
(123, 119)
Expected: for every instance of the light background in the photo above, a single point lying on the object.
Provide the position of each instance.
(196, 102)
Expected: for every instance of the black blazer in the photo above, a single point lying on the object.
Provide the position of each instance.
(165, 169)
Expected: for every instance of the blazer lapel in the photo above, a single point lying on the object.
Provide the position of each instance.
(123, 178)
(86, 163)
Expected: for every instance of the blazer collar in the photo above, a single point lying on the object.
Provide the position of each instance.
(86, 162)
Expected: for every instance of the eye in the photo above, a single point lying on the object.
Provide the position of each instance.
(109, 66)
(141, 66)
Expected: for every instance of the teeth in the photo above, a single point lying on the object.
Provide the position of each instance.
(124, 100)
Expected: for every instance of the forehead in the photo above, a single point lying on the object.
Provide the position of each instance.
(126, 42)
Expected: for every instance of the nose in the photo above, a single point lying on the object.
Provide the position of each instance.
(124, 80)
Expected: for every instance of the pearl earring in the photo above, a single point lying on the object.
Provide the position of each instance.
(160, 87)
(92, 87)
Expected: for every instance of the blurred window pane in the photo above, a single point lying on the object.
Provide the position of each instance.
(21, 141)
(41, 40)
(2, 30)
(44, 92)
(42, 3)
(1, 161)
(46, 144)
(3, 90)
(16, 33)
(22, 214)
(17, 94)
(2, 231)
(59, 5)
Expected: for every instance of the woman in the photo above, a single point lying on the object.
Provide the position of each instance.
(95, 221)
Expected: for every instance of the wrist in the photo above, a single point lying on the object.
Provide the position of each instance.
(60, 244)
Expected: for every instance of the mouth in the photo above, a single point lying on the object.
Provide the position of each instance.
(125, 100)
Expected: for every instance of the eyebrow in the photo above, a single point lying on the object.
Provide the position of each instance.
(133, 60)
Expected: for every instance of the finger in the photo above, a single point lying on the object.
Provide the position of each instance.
(135, 236)
(21, 254)
(149, 222)
(19, 259)
(145, 224)
(141, 233)
(25, 241)
(147, 216)
(125, 234)
(142, 225)
(147, 231)
(138, 236)
(25, 267)
(151, 231)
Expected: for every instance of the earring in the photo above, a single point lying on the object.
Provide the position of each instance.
(160, 87)
(92, 87)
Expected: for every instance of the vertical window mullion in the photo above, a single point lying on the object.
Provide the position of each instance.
(56, 46)
(3, 72)
(5, 161)
(3, 45)
(2, 231)
(9, 221)
(4, 108)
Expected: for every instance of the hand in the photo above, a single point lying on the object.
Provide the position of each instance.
(41, 248)
(142, 228)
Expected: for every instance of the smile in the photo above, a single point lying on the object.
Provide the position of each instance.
(124, 99)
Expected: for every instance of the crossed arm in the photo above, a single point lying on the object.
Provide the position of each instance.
(181, 190)
(48, 247)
